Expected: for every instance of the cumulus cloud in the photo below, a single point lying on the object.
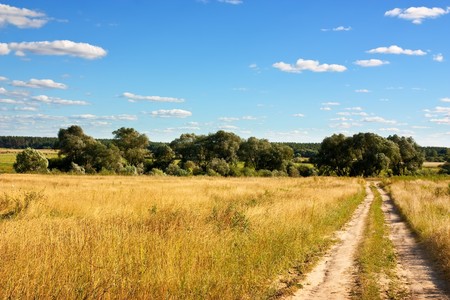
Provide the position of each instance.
(133, 98)
(61, 47)
(371, 63)
(9, 101)
(339, 28)
(308, 65)
(234, 2)
(417, 14)
(15, 94)
(91, 117)
(21, 17)
(228, 119)
(39, 83)
(378, 120)
(438, 57)
(55, 100)
(172, 113)
(331, 103)
(394, 49)
(362, 91)
(3, 78)
(446, 99)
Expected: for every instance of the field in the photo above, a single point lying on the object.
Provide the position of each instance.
(164, 238)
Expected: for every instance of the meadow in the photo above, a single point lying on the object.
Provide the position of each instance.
(425, 204)
(8, 157)
(165, 237)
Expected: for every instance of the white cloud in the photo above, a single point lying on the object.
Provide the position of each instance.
(15, 94)
(228, 119)
(26, 108)
(446, 99)
(378, 120)
(345, 125)
(362, 91)
(62, 47)
(325, 108)
(133, 98)
(3, 78)
(371, 63)
(228, 127)
(308, 65)
(172, 113)
(331, 104)
(417, 14)
(9, 101)
(249, 118)
(339, 28)
(235, 2)
(91, 117)
(438, 57)
(54, 100)
(4, 49)
(298, 115)
(21, 17)
(356, 108)
(394, 49)
(39, 83)
(342, 28)
(441, 121)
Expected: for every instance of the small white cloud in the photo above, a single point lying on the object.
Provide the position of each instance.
(345, 125)
(362, 91)
(438, 57)
(62, 47)
(39, 83)
(417, 14)
(378, 120)
(21, 17)
(342, 28)
(331, 104)
(132, 98)
(371, 63)
(249, 118)
(446, 99)
(325, 108)
(394, 49)
(441, 121)
(172, 113)
(91, 117)
(228, 127)
(356, 108)
(2, 78)
(54, 100)
(228, 119)
(298, 115)
(308, 65)
(234, 2)
(9, 101)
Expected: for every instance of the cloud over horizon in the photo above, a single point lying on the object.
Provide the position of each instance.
(133, 98)
(394, 49)
(308, 65)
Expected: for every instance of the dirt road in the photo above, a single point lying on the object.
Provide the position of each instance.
(334, 275)
(414, 268)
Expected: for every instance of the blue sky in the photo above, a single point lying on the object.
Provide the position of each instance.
(283, 70)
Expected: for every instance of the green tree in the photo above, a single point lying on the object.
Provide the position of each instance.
(132, 145)
(30, 160)
(163, 156)
(335, 155)
(411, 156)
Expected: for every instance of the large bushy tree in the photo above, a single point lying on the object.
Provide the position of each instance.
(30, 160)
(132, 144)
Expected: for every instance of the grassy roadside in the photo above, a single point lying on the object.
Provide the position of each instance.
(425, 204)
(376, 258)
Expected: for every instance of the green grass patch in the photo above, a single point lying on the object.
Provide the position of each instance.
(376, 259)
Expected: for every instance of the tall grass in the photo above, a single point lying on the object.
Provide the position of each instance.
(165, 238)
(426, 206)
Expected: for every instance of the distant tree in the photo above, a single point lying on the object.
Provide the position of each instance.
(83, 150)
(219, 166)
(250, 151)
(222, 145)
(335, 155)
(412, 157)
(163, 156)
(132, 145)
(30, 160)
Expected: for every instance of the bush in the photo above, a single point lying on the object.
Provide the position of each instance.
(175, 170)
(219, 166)
(265, 173)
(30, 160)
(157, 172)
(445, 169)
(76, 169)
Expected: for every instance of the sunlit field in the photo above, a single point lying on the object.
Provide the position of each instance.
(8, 157)
(426, 205)
(163, 238)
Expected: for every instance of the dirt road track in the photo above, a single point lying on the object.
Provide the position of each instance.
(334, 275)
(414, 268)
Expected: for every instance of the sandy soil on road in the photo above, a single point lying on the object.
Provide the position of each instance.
(414, 268)
(334, 275)
(332, 278)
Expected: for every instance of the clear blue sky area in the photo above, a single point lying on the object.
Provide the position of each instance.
(283, 70)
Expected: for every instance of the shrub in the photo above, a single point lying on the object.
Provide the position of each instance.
(30, 160)
(219, 166)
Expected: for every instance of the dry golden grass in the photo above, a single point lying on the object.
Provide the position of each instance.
(163, 238)
(426, 205)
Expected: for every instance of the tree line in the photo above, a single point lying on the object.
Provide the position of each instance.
(226, 154)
